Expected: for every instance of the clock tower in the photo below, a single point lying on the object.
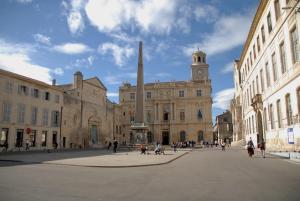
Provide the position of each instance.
(199, 67)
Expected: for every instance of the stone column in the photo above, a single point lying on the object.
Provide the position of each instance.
(139, 103)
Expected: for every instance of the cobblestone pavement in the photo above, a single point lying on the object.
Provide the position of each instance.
(207, 174)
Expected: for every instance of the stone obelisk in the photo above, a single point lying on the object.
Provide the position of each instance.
(139, 102)
(139, 128)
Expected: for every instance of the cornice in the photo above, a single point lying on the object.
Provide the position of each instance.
(257, 17)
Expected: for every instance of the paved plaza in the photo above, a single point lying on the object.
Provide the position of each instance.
(206, 174)
(95, 158)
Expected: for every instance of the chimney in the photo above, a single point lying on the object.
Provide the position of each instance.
(53, 82)
(78, 78)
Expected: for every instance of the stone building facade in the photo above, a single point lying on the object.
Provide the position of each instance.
(267, 80)
(87, 117)
(76, 115)
(30, 110)
(223, 128)
(236, 110)
(174, 111)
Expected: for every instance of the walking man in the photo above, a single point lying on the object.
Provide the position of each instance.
(115, 145)
(27, 145)
(262, 147)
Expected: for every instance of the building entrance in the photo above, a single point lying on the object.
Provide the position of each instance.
(19, 138)
(165, 138)
(94, 134)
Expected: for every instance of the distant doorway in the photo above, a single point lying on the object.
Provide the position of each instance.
(19, 138)
(64, 142)
(94, 134)
(260, 134)
(54, 138)
(182, 136)
(165, 138)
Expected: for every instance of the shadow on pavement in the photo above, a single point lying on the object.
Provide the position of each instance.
(29, 158)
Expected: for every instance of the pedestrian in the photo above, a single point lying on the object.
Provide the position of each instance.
(157, 150)
(143, 149)
(174, 146)
(115, 145)
(109, 145)
(5, 145)
(216, 143)
(223, 145)
(250, 147)
(55, 145)
(262, 147)
(27, 145)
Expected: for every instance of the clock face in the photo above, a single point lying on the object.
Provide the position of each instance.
(199, 72)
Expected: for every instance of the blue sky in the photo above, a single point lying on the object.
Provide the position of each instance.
(46, 39)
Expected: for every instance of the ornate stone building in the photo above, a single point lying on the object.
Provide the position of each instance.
(174, 111)
(267, 77)
(87, 117)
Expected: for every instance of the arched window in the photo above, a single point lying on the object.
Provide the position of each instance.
(199, 59)
(200, 136)
(166, 116)
(131, 138)
(182, 136)
(199, 115)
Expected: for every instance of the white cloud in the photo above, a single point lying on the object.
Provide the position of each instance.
(161, 47)
(149, 15)
(112, 94)
(225, 35)
(15, 58)
(222, 98)
(72, 48)
(42, 39)
(228, 68)
(125, 37)
(90, 60)
(81, 63)
(58, 71)
(24, 1)
(206, 12)
(156, 15)
(120, 54)
(74, 12)
(119, 78)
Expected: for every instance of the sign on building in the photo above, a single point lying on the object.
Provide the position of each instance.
(290, 133)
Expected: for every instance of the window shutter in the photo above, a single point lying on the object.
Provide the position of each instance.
(32, 92)
(26, 91)
(58, 118)
(52, 117)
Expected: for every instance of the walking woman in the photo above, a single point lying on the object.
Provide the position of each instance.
(250, 147)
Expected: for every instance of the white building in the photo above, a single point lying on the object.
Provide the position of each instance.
(267, 77)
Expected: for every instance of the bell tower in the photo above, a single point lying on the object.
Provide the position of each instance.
(199, 67)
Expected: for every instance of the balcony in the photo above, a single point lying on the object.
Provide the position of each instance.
(256, 102)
